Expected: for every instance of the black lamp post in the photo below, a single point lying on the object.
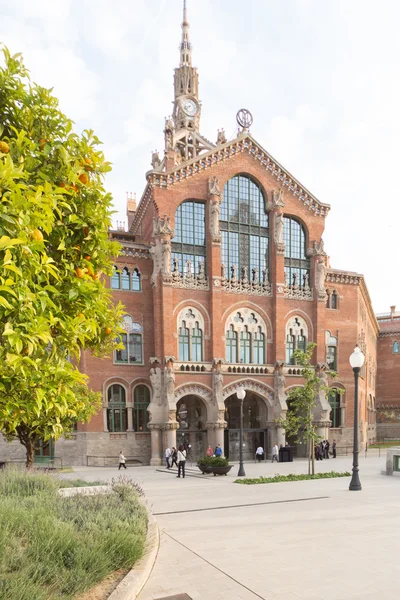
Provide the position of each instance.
(356, 362)
(241, 393)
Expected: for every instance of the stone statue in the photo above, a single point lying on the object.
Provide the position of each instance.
(218, 380)
(279, 228)
(201, 276)
(166, 258)
(155, 378)
(214, 219)
(223, 271)
(321, 274)
(155, 160)
(279, 387)
(169, 375)
(213, 187)
(155, 253)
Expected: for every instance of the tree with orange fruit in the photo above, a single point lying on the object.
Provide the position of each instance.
(54, 255)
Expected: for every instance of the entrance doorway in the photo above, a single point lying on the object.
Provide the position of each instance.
(191, 414)
(255, 432)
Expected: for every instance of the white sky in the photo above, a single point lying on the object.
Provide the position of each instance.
(321, 78)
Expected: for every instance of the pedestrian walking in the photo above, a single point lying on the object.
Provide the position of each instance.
(218, 450)
(334, 449)
(275, 453)
(210, 451)
(260, 453)
(121, 460)
(181, 461)
(174, 457)
(167, 456)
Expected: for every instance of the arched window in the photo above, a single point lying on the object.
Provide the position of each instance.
(296, 337)
(334, 401)
(136, 281)
(189, 240)
(297, 265)
(231, 345)
(126, 279)
(132, 341)
(197, 344)
(245, 345)
(141, 401)
(244, 229)
(331, 350)
(396, 348)
(183, 342)
(116, 413)
(259, 348)
(115, 279)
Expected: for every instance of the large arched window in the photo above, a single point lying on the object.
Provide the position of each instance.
(231, 345)
(331, 350)
(244, 229)
(132, 353)
(136, 281)
(245, 337)
(297, 265)
(141, 401)
(125, 281)
(259, 348)
(188, 244)
(396, 348)
(190, 342)
(296, 337)
(116, 279)
(116, 412)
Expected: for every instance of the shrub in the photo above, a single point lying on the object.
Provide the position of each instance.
(53, 547)
(213, 461)
(292, 477)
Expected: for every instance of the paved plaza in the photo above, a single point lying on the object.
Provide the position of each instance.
(310, 540)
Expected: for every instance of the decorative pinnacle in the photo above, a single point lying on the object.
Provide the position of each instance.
(186, 54)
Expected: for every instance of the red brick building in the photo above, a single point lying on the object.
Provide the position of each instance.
(223, 274)
(388, 382)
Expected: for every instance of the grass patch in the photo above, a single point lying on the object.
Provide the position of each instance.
(384, 444)
(78, 483)
(280, 478)
(54, 548)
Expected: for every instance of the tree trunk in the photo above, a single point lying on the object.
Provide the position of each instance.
(313, 457)
(29, 442)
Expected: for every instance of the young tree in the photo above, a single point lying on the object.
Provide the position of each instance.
(55, 252)
(299, 419)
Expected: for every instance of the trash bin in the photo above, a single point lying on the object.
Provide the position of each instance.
(285, 454)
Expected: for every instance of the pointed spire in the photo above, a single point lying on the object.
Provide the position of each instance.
(186, 47)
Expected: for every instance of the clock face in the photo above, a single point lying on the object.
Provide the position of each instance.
(189, 107)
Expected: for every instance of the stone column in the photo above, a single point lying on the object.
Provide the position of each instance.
(280, 436)
(156, 459)
(171, 434)
(219, 437)
(105, 424)
(321, 428)
(342, 416)
(129, 410)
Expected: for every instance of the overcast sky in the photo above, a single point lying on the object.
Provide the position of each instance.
(321, 78)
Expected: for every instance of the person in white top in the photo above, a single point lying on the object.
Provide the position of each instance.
(260, 453)
(181, 461)
(275, 453)
(167, 456)
(121, 460)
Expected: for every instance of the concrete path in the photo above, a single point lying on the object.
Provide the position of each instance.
(311, 540)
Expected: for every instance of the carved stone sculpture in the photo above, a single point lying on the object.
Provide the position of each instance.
(155, 161)
(169, 377)
(155, 253)
(161, 226)
(279, 228)
(155, 379)
(279, 388)
(218, 381)
(166, 259)
(214, 220)
(320, 279)
(213, 187)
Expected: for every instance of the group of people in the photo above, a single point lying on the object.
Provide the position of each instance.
(177, 458)
(216, 452)
(322, 450)
(274, 453)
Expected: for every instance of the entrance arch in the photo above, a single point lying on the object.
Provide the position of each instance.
(256, 407)
(191, 415)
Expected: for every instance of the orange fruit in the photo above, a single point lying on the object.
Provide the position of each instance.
(87, 257)
(90, 271)
(37, 235)
(86, 231)
(79, 273)
(81, 316)
(84, 178)
(42, 143)
(108, 330)
(74, 187)
(88, 165)
(61, 184)
(4, 147)
(96, 276)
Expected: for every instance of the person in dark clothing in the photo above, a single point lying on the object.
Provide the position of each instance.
(327, 445)
(334, 448)
(174, 457)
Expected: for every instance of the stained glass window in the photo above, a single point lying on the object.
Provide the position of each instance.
(244, 228)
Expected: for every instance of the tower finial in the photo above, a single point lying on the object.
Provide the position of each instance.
(186, 47)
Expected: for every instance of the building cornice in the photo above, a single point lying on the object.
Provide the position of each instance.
(393, 333)
(244, 143)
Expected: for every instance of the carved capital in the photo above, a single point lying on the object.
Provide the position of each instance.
(218, 425)
(213, 187)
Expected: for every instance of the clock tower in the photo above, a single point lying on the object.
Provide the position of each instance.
(182, 138)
